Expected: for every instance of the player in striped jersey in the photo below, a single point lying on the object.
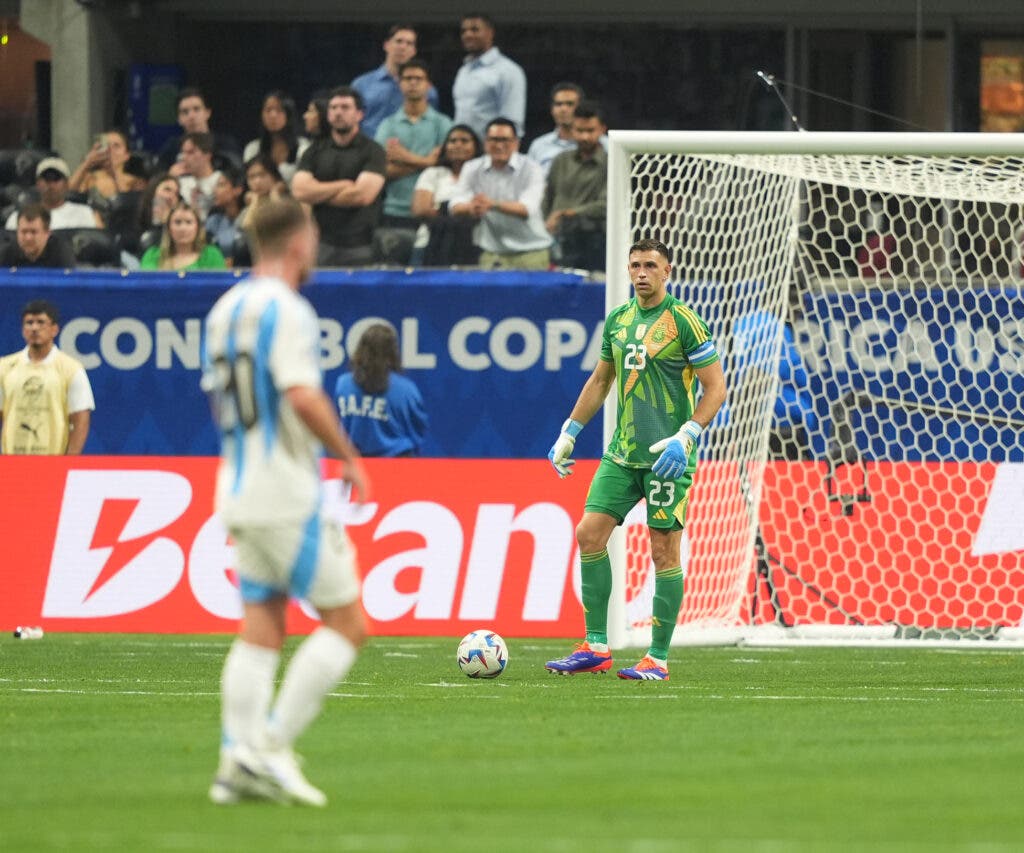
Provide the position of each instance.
(654, 348)
(261, 371)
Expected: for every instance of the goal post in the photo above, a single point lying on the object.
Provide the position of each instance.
(865, 480)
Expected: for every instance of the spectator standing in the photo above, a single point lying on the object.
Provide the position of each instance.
(314, 119)
(52, 184)
(412, 140)
(200, 178)
(183, 245)
(565, 97)
(503, 191)
(342, 176)
(45, 395)
(380, 89)
(222, 224)
(36, 245)
(381, 410)
(279, 136)
(443, 239)
(576, 198)
(194, 117)
(102, 175)
(489, 85)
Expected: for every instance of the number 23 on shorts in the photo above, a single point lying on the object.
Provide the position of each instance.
(666, 501)
(661, 492)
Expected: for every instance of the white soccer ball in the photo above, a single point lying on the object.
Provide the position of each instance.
(482, 654)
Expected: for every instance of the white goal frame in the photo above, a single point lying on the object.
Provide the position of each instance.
(623, 145)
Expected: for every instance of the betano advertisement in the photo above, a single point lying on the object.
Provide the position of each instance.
(445, 546)
(132, 544)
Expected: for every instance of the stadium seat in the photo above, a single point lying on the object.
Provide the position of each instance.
(93, 247)
(13, 197)
(26, 195)
(9, 193)
(241, 256)
(150, 238)
(25, 163)
(141, 164)
(8, 170)
(122, 218)
(393, 246)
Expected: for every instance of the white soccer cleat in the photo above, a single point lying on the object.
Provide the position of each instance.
(240, 776)
(281, 768)
(222, 793)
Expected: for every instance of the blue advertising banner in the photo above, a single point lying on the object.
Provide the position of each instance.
(914, 375)
(499, 357)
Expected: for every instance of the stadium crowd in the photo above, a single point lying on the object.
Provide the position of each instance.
(389, 178)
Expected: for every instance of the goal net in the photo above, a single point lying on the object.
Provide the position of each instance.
(865, 480)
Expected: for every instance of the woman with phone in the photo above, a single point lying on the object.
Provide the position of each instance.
(102, 175)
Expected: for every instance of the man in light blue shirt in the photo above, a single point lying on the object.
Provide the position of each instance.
(503, 191)
(565, 97)
(380, 90)
(489, 85)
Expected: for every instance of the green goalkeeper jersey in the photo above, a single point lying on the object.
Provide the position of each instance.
(655, 352)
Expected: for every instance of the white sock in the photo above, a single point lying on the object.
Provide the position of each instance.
(598, 647)
(662, 663)
(323, 659)
(246, 686)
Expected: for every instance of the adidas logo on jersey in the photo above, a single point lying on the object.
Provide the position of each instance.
(661, 515)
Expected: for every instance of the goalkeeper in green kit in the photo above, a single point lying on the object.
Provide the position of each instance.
(653, 348)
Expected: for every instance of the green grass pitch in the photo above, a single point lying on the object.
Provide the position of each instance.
(109, 743)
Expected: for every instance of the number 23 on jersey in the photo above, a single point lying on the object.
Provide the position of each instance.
(635, 357)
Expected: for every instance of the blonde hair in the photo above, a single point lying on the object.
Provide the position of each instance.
(167, 250)
(272, 223)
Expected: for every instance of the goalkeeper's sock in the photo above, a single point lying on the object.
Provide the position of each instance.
(246, 686)
(323, 659)
(668, 596)
(596, 578)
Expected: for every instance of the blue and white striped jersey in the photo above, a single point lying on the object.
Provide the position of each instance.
(260, 339)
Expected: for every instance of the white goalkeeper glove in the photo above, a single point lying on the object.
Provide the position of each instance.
(675, 451)
(562, 449)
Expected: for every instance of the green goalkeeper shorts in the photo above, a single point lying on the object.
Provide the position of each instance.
(615, 490)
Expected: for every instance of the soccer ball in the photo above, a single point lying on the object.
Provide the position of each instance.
(482, 654)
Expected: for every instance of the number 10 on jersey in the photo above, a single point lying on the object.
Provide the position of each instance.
(235, 392)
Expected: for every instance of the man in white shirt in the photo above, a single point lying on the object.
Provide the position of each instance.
(489, 85)
(199, 182)
(503, 191)
(52, 175)
(261, 369)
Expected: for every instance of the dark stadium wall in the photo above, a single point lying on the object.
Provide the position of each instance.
(672, 78)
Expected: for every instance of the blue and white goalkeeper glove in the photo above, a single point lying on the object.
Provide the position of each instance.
(675, 451)
(561, 450)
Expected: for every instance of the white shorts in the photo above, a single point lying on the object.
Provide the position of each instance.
(315, 561)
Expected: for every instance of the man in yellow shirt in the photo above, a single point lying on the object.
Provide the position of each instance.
(45, 395)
